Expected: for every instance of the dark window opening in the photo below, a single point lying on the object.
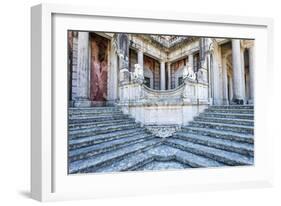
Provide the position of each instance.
(147, 81)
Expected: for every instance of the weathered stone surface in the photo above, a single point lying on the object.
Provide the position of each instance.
(109, 146)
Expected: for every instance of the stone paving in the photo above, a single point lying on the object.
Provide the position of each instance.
(103, 139)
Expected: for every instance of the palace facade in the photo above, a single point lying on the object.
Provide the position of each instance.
(155, 76)
(150, 102)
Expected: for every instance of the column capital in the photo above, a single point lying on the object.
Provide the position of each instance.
(140, 50)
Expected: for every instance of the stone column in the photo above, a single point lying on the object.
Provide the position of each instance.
(230, 88)
(83, 70)
(169, 74)
(251, 73)
(237, 72)
(162, 77)
(190, 61)
(224, 81)
(140, 58)
(243, 74)
(210, 78)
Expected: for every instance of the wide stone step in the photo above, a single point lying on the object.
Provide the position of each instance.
(168, 153)
(223, 126)
(233, 107)
(234, 111)
(102, 130)
(95, 149)
(77, 109)
(227, 115)
(94, 114)
(93, 163)
(88, 125)
(80, 120)
(97, 139)
(130, 163)
(225, 157)
(228, 135)
(246, 122)
(162, 153)
(228, 145)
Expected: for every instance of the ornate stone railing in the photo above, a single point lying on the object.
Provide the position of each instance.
(161, 107)
(175, 93)
(190, 92)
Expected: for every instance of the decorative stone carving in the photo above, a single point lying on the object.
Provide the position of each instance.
(123, 52)
(202, 76)
(124, 76)
(137, 75)
(163, 131)
(188, 73)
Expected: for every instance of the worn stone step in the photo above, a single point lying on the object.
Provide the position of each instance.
(228, 135)
(227, 115)
(97, 139)
(223, 126)
(234, 111)
(246, 122)
(103, 130)
(233, 106)
(93, 163)
(225, 157)
(228, 145)
(162, 153)
(129, 163)
(94, 114)
(164, 165)
(95, 149)
(88, 125)
(80, 120)
(168, 153)
(78, 109)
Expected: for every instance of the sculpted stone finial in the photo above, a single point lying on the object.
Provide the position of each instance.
(188, 72)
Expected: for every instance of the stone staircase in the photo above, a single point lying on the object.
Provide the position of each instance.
(100, 136)
(103, 139)
(221, 133)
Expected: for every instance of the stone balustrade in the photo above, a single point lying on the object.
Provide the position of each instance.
(175, 106)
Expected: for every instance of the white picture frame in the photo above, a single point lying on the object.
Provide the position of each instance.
(49, 179)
